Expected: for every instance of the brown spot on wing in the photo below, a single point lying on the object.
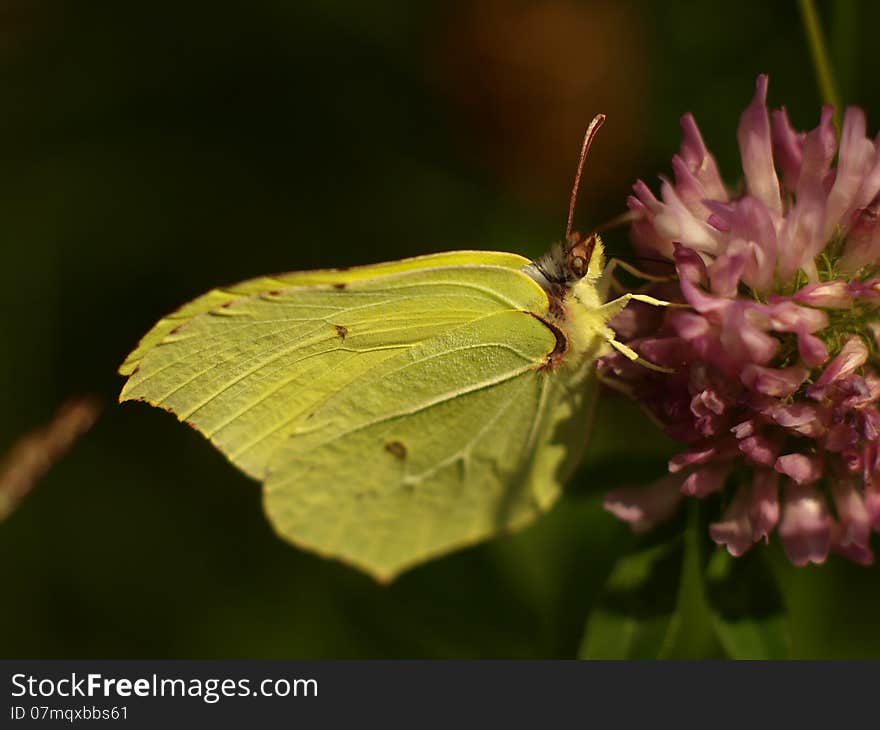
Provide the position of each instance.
(341, 330)
(340, 285)
(397, 449)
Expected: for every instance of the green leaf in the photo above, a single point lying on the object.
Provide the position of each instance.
(747, 607)
(691, 634)
(635, 612)
(654, 605)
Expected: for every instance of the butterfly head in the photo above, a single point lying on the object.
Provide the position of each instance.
(582, 256)
(577, 258)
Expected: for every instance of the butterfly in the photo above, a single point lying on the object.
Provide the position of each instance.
(396, 411)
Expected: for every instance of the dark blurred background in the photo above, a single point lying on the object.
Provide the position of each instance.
(151, 152)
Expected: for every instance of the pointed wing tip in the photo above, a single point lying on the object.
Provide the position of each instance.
(382, 578)
(127, 368)
(382, 575)
(125, 396)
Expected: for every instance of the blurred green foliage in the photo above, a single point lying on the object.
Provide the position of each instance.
(152, 152)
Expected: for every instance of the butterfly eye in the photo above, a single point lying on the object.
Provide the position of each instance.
(578, 266)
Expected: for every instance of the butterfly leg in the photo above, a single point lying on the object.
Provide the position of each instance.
(631, 354)
(610, 282)
(614, 307)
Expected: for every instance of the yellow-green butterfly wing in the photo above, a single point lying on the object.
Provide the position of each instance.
(260, 285)
(394, 412)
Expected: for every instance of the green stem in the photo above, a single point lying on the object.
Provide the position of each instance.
(694, 636)
(819, 52)
(843, 42)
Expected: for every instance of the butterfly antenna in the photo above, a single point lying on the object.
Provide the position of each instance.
(597, 122)
(624, 219)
